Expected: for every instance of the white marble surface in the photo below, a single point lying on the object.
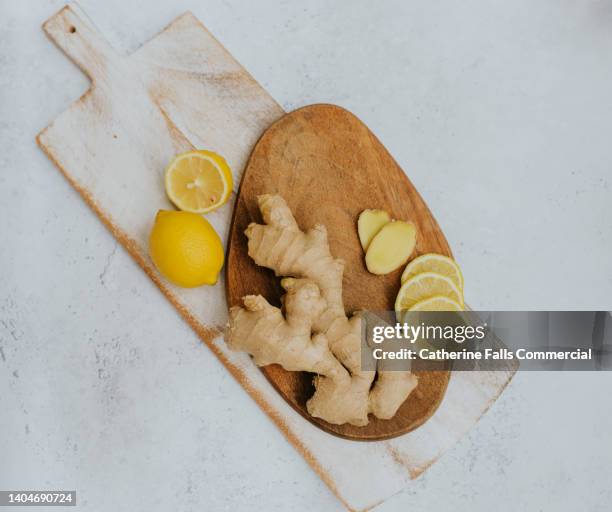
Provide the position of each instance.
(501, 113)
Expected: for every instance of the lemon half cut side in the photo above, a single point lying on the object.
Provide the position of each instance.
(198, 181)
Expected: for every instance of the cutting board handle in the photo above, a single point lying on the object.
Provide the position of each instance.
(75, 34)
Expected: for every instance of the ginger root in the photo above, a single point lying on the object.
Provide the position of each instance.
(314, 334)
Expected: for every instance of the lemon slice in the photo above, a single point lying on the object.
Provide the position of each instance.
(425, 286)
(434, 263)
(198, 181)
(437, 303)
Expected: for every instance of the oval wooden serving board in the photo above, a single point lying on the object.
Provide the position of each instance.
(329, 167)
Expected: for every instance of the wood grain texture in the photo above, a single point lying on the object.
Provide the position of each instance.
(180, 90)
(329, 167)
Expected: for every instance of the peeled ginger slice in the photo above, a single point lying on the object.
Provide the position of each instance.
(369, 224)
(391, 247)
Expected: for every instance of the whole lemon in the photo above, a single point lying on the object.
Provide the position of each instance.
(185, 248)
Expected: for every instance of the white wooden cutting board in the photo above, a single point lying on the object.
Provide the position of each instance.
(183, 90)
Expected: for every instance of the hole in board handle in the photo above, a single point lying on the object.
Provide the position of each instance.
(72, 29)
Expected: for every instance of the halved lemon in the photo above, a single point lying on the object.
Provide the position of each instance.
(198, 181)
(425, 286)
(437, 303)
(434, 263)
